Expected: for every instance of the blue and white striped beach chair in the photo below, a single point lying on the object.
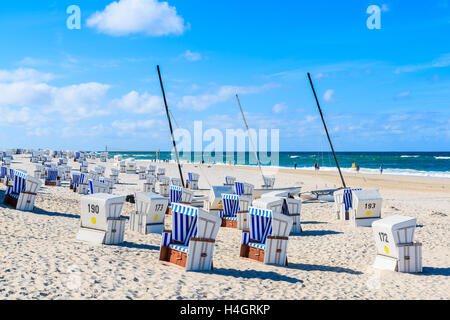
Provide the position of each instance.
(267, 239)
(98, 187)
(229, 181)
(230, 209)
(51, 178)
(243, 188)
(191, 242)
(21, 191)
(4, 173)
(179, 195)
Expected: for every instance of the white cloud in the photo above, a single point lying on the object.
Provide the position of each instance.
(403, 94)
(24, 74)
(279, 108)
(328, 95)
(149, 17)
(441, 62)
(192, 56)
(140, 104)
(224, 93)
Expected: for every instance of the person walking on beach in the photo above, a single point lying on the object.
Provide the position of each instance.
(381, 169)
(357, 168)
(316, 166)
(295, 165)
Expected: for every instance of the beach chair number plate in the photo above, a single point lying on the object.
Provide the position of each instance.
(159, 207)
(383, 237)
(370, 205)
(93, 208)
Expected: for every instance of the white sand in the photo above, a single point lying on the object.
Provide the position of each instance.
(41, 259)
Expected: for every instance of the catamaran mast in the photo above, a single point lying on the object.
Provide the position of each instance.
(326, 130)
(251, 141)
(170, 126)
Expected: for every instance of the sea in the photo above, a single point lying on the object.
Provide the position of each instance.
(425, 164)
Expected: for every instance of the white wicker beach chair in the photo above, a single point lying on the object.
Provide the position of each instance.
(366, 208)
(98, 187)
(191, 242)
(229, 181)
(101, 220)
(267, 239)
(150, 213)
(163, 184)
(343, 202)
(396, 249)
(149, 184)
(176, 182)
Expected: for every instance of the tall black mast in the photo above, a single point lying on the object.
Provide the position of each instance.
(326, 130)
(170, 126)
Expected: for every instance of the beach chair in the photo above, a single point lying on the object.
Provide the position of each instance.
(163, 185)
(21, 192)
(267, 239)
(229, 181)
(149, 184)
(117, 158)
(122, 166)
(179, 195)
(84, 167)
(104, 156)
(100, 170)
(52, 178)
(243, 188)
(343, 202)
(396, 249)
(101, 220)
(131, 166)
(191, 242)
(290, 207)
(192, 182)
(142, 172)
(269, 182)
(214, 203)
(98, 187)
(161, 172)
(150, 213)
(82, 187)
(114, 175)
(176, 182)
(366, 208)
(235, 211)
(4, 173)
(151, 169)
(75, 180)
(107, 181)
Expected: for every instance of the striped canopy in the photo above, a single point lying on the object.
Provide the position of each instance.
(229, 180)
(260, 224)
(176, 194)
(18, 184)
(239, 188)
(4, 172)
(230, 204)
(184, 223)
(347, 198)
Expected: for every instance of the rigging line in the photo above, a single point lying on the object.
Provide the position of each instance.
(251, 141)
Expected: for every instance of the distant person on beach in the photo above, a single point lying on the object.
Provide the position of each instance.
(316, 166)
(381, 169)
(295, 165)
(357, 168)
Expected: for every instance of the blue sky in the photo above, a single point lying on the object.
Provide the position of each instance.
(383, 89)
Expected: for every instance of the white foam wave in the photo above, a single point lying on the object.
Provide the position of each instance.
(442, 158)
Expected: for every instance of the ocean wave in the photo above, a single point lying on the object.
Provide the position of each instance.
(409, 156)
(293, 157)
(442, 158)
(397, 172)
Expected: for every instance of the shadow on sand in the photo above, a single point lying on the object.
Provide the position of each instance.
(316, 267)
(254, 274)
(430, 271)
(317, 233)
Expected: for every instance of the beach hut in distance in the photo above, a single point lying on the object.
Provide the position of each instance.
(267, 239)
(101, 220)
(396, 249)
(190, 243)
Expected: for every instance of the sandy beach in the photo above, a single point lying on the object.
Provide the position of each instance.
(41, 259)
